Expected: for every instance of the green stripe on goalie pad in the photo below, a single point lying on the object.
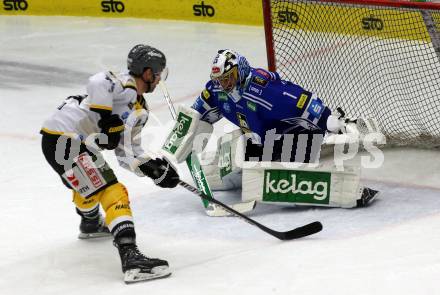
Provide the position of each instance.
(296, 183)
(188, 135)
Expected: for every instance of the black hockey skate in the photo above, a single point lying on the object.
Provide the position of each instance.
(91, 228)
(136, 266)
(368, 195)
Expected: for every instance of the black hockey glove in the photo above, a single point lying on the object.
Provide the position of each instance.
(162, 173)
(112, 126)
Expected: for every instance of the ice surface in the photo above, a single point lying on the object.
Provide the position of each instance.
(391, 247)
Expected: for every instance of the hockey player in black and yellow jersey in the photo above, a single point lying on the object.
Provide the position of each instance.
(110, 116)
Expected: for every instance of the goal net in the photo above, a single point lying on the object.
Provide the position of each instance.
(376, 59)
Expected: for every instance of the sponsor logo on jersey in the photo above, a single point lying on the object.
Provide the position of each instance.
(288, 16)
(203, 9)
(256, 90)
(263, 73)
(372, 23)
(205, 94)
(112, 6)
(251, 105)
(222, 96)
(302, 99)
(227, 107)
(259, 81)
(296, 186)
(316, 108)
(180, 130)
(15, 5)
(242, 122)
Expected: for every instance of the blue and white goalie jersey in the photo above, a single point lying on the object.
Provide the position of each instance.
(264, 103)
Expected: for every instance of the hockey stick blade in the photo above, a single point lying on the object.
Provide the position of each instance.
(299, 232)
(303, 231)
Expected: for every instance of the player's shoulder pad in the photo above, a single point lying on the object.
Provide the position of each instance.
(101, 80)
(128, 82)
(208, 91)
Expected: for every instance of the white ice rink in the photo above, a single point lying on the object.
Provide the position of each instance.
(391, 247)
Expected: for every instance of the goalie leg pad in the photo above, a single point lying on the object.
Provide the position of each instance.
(188, 134)
(294, 183)
(209, 163)
(223, 168)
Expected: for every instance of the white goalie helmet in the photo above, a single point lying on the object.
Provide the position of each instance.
(229, 69)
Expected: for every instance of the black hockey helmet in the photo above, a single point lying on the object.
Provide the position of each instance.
(143, 56)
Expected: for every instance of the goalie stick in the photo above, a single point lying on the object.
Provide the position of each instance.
(296, 233)
(198, 176)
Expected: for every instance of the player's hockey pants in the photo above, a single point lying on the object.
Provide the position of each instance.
(111, 194)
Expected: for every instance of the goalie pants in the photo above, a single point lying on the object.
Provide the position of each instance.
(111, 194)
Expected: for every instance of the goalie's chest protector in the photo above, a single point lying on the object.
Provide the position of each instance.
(244, 113)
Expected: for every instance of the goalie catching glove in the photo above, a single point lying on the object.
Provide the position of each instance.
(161, 172)
(338, 124)
(358, 128)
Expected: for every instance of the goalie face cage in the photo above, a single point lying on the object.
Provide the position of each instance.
(377, 59)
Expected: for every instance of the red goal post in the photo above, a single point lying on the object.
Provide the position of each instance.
(376, 59)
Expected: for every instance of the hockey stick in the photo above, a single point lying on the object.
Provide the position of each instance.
(296, 233)
(199, 177)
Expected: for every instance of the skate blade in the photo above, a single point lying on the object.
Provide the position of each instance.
(135, 275)
(86, 236)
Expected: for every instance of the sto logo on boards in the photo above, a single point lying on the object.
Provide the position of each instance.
(288, 16)
(203, 9)
(372, 23)
(112, 6)
(15, 5)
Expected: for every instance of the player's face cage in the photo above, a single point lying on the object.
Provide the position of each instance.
(162, 75)
(228, 80)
